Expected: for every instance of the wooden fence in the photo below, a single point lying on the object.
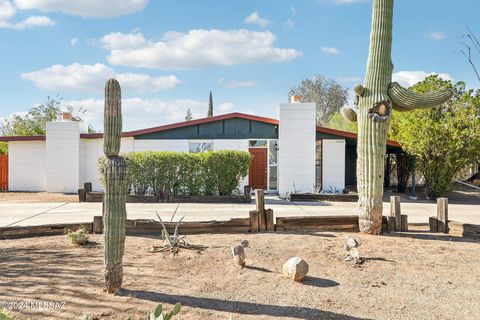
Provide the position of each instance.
(3, 172)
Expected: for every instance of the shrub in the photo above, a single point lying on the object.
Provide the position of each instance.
(4, 314)
(208, 173)
(80, 237)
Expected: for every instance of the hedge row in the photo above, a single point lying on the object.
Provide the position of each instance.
(207, 173)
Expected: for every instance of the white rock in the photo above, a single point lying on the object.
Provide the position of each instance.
(295, 268)
(238, 255)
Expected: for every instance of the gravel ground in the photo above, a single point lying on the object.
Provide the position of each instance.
(413, 275)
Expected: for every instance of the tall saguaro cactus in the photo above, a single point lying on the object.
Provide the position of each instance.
(115, 176)
(375, 100)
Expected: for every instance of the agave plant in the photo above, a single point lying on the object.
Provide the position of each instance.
(171, 242)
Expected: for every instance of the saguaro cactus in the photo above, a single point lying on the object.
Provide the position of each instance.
(375, 100)
(115, 176)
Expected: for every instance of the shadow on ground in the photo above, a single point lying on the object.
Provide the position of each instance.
(426, 235)
(240, 307)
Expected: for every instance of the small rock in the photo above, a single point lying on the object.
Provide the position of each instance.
(239, 255)
(296, 269)
(351, 246)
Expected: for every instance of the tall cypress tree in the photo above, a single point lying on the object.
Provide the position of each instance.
(210, 106)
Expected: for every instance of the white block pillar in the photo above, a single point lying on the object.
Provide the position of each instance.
(333, 165)
(63, 156)
(296, 142)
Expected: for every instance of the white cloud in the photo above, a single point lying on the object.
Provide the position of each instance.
(91, 78)
(349, 79)
(409, 78)
(293, 10)
(289, 23)
(196, 49)
(8, 12)
(139, 113)
(254, 18)
(73, 42)
(117, 40)
(237, 84)
(330, 50)
(436, 35)
(85, 8)
(34, 21)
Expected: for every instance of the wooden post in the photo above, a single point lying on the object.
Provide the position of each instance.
(88, 186)
(404, 222)
(269, 220)
(384, 224)
(395, 212)
(261, 219)
(442, 214)
(97, 224)
(260, 200)
(247, 193)
(254, 221)
(391, 223)
(433, 224)
(82, 194)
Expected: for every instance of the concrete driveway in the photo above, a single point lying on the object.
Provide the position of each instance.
(30, 214)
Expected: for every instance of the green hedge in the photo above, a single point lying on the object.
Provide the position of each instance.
(207, 173)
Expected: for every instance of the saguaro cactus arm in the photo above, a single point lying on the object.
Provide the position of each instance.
(405, 100)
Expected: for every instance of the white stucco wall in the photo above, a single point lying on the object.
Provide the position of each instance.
(333, 165)
(63, 156)
(296, 155)
(27, 166)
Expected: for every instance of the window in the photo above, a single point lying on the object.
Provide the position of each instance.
(273, 178)
(195, 147)
(272, 164)
(257, 143)
(272, 152)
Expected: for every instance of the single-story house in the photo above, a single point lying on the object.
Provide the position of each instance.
(290, 154)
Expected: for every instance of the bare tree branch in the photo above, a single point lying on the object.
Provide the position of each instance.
(468, 53)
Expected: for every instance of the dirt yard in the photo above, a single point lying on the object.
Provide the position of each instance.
(34, 197)
(411, 276)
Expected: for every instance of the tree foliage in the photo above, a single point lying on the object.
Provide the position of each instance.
(328, 96)
(3, 147)
(34, 121)
(337, 121)
(443, 139)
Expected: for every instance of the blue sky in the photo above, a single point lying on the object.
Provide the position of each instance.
(168, 54)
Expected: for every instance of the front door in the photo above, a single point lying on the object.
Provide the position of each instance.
(257, 175)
